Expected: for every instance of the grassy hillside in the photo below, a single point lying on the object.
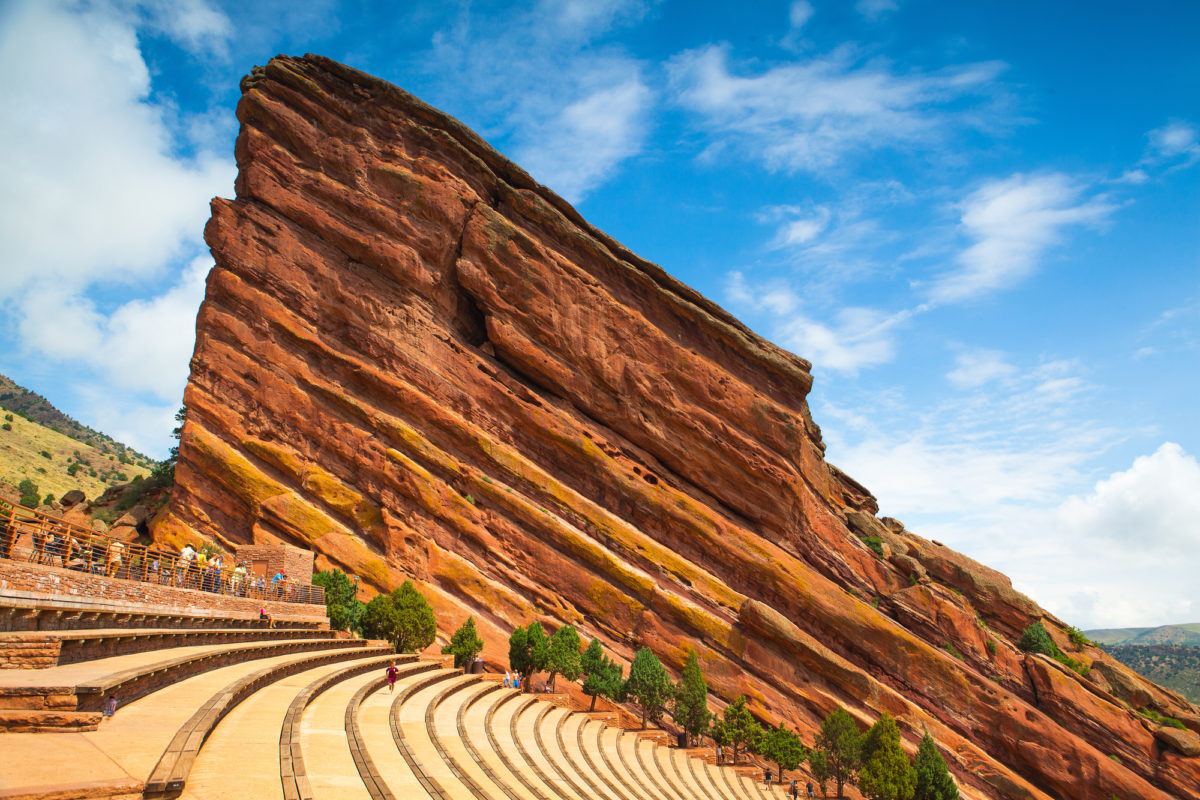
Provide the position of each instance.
(20, 401)
(1172, 665)
(1187, 634)
(57, 463)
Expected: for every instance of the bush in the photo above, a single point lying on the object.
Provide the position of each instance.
(648, 686)
(991, 646)
(48, 499)
(45, 454)
(7, 426)
(1161, 719)
(875, 543)
(8, 417)
(1036, 639)
(72, 469)
(30, 496)
(1078, 637)
(952, 650)
(464, 645)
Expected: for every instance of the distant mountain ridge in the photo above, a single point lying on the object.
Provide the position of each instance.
(1185, 634)
(36, 408)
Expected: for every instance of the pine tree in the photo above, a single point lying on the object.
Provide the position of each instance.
(379, 618)
(648, 685)
(784, 748)
(934, 781)
(840, 746)
(341, 601)
(602, 676)
(886, 773)
(416, 627)
(741, 727)
(464, 645)
(528, 650)
(691, 699)
(562, 655)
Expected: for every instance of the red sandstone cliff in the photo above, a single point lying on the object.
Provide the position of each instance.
(418, 361)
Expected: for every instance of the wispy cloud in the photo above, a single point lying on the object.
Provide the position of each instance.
(570, 108)
(875, 10)
(811, 114)
(1011, 223)
(1176, 144)
(974, 368)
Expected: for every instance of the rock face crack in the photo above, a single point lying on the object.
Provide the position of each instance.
(420, 363)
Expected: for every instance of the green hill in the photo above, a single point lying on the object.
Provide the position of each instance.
(41, 444)
(1185, 634)
(32, 406)
(1175, 666)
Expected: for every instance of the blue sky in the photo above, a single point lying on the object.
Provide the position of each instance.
(978, 220)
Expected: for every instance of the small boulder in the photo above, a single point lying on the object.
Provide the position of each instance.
(1185, 742)
(910, 567)
(72, 498)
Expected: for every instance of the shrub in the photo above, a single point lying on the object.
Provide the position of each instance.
(71, 470)
(48, 499)
(464, 645)
(45, 454)
(30, 496)
(875, 543)
(1161, 719)
(1036, 639)
(952, 650)
(7, 426)
(1077, 637)
(8, 417)
(648, 686)
(991, 646)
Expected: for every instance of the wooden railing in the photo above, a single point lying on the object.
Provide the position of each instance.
(29, 535)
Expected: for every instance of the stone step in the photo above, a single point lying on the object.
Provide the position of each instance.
(84, 687)
(27, 611)
(44, 649)
(484, 722)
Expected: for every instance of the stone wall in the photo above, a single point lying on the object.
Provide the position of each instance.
(267, 559)
(26, 581)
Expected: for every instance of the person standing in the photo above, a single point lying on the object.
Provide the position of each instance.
(507, 679)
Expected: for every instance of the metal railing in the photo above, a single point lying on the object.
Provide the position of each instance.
(33, 536)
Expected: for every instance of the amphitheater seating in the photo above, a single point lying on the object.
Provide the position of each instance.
(299, 714)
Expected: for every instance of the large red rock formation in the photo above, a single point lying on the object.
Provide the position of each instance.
(419, 362)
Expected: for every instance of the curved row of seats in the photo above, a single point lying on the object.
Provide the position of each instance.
(313, 719)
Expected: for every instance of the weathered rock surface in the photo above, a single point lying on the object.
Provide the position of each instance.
(418, 361)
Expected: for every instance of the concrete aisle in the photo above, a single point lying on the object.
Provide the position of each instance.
(323, 741)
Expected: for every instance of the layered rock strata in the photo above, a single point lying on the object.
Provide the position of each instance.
(417, 361)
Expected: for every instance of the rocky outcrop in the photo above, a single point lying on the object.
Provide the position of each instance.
(419, 362)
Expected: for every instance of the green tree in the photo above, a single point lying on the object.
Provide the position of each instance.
(416, 627)
(29, 493)
(741, 727)
(648, 686)
(379, 618)
(464, 645)
(341, 598)
(886, 773)
(562, 654)
(48, 499)
(784, 748)
(718, 731)
(528, 651)
(602, 677)
(840, 746)
(934, 781)
(691, 699)
(163, 473)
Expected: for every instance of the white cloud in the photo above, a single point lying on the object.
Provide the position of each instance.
(97, 201)
(799, 14)
(859, 338)
(974, 368)
(777, 298)
(809, 115)
(579, 148)
(1177, 142)
(801, 229)
(571, 109)
(874, 10)
(193, 24)
(1013, 222)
